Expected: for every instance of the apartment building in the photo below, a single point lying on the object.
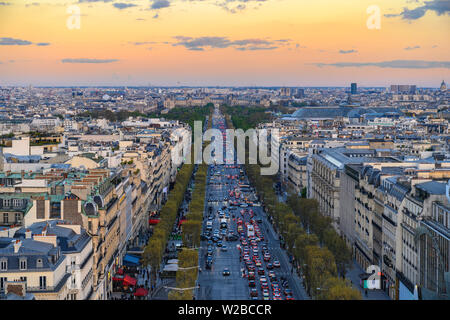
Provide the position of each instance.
(52, 259)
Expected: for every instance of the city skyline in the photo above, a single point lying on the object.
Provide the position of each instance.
(234, 43)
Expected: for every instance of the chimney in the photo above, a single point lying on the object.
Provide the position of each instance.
(17, 245)
(28, 234)
(44, 231)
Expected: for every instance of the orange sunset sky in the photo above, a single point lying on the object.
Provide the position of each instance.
(224, 42)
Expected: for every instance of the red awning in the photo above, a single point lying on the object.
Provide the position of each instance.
(153, 221)
(129, 280)
(141, 292)
(117, 278)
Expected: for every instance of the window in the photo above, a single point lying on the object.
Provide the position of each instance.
(39, 263)
(23, 263)
(42, 282)
(6, 202)
(2, 283)
(18, 217)
(5, 217)
(17, 202)
(3, 265)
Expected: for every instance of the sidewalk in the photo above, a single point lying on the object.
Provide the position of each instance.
(353, 275)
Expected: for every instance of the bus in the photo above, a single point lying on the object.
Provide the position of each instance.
(250, 231)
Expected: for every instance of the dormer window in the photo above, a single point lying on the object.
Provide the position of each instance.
(39, 263)
(17, 202)
(23, 264)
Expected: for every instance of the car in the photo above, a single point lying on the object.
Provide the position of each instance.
(226, 272)
(276, 263)
(251, 283)
(269, 266)
(277, 296)
(264, 285)
(288, 292)
(219, 243)
(253, 293)
(261, 271)
(205, 237)
(258, 263)
(251, 275)
(266, 295)
(224, 248)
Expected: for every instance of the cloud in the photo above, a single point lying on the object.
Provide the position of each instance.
(19, 42)
(143, 43)
(14, 42)
(242, 5)
(347, 51)
(121, 5)
(88, 1)
(252, 48)
(159, 4)
(440, 7)
(83, 60)
(395, 64)
(412, 48)
(201, 43)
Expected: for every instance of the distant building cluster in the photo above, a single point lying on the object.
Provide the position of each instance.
(74, 201)
(382, 174)
(77, 192)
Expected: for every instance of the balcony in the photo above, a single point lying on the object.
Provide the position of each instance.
(56, 288)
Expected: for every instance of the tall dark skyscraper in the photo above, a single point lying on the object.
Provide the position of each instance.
(354, 88)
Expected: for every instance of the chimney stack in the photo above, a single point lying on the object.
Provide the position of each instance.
(28, 234)
(17, 245)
